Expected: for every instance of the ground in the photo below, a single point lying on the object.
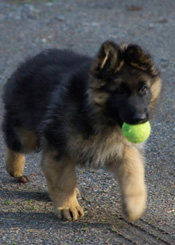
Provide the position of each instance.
(28, 26)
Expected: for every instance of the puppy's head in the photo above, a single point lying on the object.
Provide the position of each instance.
(125, 83)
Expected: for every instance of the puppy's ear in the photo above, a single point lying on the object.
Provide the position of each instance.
(137, 57)
(108, 61)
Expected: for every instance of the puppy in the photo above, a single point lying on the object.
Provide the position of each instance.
(72, 107)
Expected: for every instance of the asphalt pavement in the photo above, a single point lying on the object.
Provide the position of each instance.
(29, 26)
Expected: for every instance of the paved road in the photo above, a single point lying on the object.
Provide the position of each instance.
(26, 27)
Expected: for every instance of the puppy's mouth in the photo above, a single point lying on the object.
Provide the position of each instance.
(138, 119)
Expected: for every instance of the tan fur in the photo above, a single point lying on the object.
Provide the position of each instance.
(119, 67)
(139, 66)
(100, 148)
(99, 98)
(156, 89)
(61, 181)
(130, 173)
(14, 163)
(126, 162)
(104, 61)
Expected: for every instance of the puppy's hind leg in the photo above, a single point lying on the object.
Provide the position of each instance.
(61, 181)
(15, 162)
(21, 141)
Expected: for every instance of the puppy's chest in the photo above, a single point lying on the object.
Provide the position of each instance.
(98, 150)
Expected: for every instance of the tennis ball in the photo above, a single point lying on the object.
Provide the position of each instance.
(137, 133)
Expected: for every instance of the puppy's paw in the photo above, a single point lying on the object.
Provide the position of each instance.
(134, 206)
(22, 179)
(71, 213)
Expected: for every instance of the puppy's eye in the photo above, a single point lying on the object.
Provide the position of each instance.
(143, 89)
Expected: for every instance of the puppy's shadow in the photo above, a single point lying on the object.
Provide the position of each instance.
(25, 195)
(42, 220)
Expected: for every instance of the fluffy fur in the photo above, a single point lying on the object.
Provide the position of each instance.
(72, 107)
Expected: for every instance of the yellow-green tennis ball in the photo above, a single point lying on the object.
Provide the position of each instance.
(136, 133)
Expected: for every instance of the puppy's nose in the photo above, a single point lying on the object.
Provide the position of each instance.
(140, 117)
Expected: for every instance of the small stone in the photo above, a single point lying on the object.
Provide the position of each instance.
(134, 8)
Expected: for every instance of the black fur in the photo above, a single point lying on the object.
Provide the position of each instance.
(48, 84)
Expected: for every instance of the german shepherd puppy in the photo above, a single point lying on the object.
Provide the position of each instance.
(72, 108)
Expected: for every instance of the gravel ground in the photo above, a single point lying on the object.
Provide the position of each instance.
(26, 217)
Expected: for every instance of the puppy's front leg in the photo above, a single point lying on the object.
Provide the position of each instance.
(130, 173)
(61, 181)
